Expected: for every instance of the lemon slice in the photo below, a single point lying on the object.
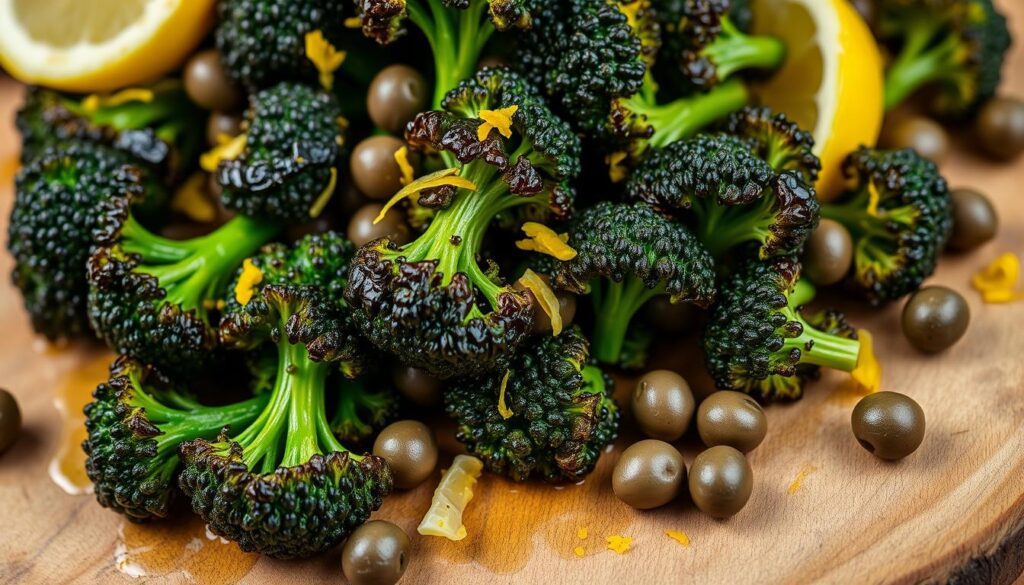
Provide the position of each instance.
(831, 82)
(99, 45)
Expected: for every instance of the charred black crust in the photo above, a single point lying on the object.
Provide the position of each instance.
(382, 19)
(773, 133)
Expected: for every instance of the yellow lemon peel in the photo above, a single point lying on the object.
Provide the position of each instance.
(678, 536)
(996, 281)
(798, 481)
(545, 297)
(402, 158)
(582, 533)
(541, 238)
(873, 198)
(619, 544)
(453, 494)
(617, 171)
(440, 178)
(191, 200)
(325, 196)
(867, 376)
(246, 286)
(229, 150)
(324, 56)
(353, 22)
(503, 409)
(93, 102)
(500, 119)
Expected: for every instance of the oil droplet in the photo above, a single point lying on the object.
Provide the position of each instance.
(74, 391)
(180, 549)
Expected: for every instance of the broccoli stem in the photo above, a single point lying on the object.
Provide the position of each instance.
(685, 117)
(822, 349)
(615, 303)
(721, 227)
(802, 293)
(456, 45)
(733, 50)
(920, 61)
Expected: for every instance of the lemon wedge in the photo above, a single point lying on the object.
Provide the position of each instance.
(831, 82)
(99, 45)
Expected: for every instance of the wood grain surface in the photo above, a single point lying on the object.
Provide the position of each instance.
(823, 509)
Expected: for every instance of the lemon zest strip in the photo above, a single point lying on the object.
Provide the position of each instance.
(500, 119)
(545, 297)
(353, 22)
(541, 238)
(867, 376)
(440, 178)
(94, 102)
(325, 196)
(402, 158)
(324, 56)
(617, 171)
(678, 536)
(453, 494)
(997, 280)
(246, 286)
(229, 150)
(503, 409)
(191, 201)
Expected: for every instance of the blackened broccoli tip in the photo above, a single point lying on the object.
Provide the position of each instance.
(626, 255)
(457, 30)
(56, 207)
(899, 213)
(135, 423)
(556, 415)
(288, 169)
(429, 302)
(157, 126)
(758, 341)
(777, 139)
(155, 298)
(956, 47)
(732, 195)
(285, 486)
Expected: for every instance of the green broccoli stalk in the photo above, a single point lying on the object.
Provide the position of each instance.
(365, 406)
(551, 415)
(627, 254)
(157, 126)
(731, 195)
(284, 166)
(136, 422)
(757, 341)
(285, 486)
(955, 46)
(429, 302)
(57, 201)
(152, 297)
(899, 213)
(776, 139)
(457, 30)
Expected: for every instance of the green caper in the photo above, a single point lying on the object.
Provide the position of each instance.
(934, 318)
(376, 553)
(889, 425)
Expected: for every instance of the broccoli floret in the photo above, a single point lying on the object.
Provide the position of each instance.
(627, 254)
(158, 126)
(899, 213)
(152, 297)
(731, 194)
(429, 302)
(457, 31)
(757, 340)
(285, 486)
(366, 405)
(562, 412)
(776, 139)
(288, 168)
(56, 208)
(955, 47)
(136, 422)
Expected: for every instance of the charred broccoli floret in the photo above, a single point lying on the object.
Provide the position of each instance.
(285, 166)
(285, 486)
(56, 208)
(955, 47)
(776, 139)
(154, 298)
(551, 415)
(366, 405)
(158, 127)
(899, 212)
(627, 254)
(136, 422)
(457, 30)
(757, 341)
(429, 302)
(731, 194)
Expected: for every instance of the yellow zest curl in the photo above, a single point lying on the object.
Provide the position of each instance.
(678, 536)
(402, 158)
(619, 544)
(500, 119)
(229, 150)
(443, 177)
(617, 172)
(541, 238)
(503, 409)
(873, 198)
(191, 200)
(94, 102)
(246, 286)
(546, 298)
(324, 56)
(867, 376)
(996, 281)
(353, 22)
(325, 196)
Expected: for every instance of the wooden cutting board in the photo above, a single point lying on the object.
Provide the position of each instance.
(822, 508)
